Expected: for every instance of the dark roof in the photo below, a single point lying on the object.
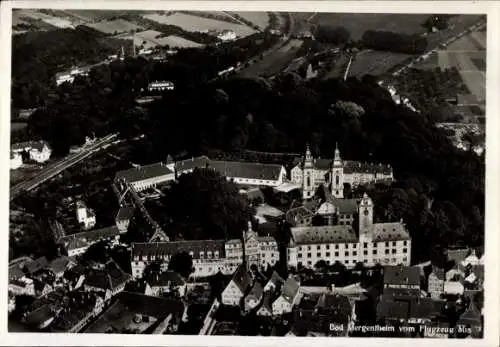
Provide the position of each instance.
(28, 145)
(324, 234)
(166, 278)
(125, 213)
(41, 315)
(36, 265)
(290, 289)
(323, 163)
(173, 247)
(467, 99)
(108, 278)
(346, 205)
(438, 272)
(297, 213)
(242, 278)
(359, 167)
(338, 307)
(471, 316)
(458, 255)
(413, 307)
(395, 275)
(276, 279)
(150, 305)
(389, 232)
(59, 264)
(239, 169)
(191, 164)
(256, 291)
(81, 239)
(143, 172)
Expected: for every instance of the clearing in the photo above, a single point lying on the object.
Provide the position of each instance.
(36, 15)
(114, 27)
(375, 62)
(151, 39)
(199, 24)
(260, 19)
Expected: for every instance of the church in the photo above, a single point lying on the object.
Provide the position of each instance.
(335, 173)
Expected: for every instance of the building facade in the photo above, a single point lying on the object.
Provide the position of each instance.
(334, 173)
(85, 216)
(16, 161)
(383, 243)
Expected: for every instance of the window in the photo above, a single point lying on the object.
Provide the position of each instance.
(300, 248)
(318, 247)
(346, 254)
(394, 243)
(393, 251)
(336, 254)
(327, 246)
(202, 255)
(309, 262)
(354, 253)
(263, 255)
(336, 246)
(354, 261)
(386, 251)
(346, 262)
(309, 255)
(404, 259)
(318, 255)
(405, 250)
(365, 252)
(387, 244)
(365, 245)
(308, 248)
(327, 254)
(365, 261)
(405, 243)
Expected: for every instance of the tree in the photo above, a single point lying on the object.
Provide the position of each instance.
(152, 270)
(98, 252)
(205, 205)
(182, 263)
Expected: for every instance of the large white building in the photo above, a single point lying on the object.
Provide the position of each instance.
(38, 151)
(85, 216)
(311, 173)
(209, 256)
(16, 161)
(147, 176)
(384, 243)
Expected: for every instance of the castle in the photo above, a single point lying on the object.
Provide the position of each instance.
(335, 173)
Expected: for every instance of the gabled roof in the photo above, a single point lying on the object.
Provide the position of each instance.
(170, 248)
(256, 291)
(346, 205)
(396, 275)
(193, 163)
(83, 239)
(297, 213)
(290, 289)
(240, 169)
(110, 277)
(389, 232)
(143, 172)
(166, 278)
(324, 234)
(242, 278)
(276, 279)
(471, 316)
(150, 305)
(439, 273)
(60, 264)
(125, 213)
(458, 255)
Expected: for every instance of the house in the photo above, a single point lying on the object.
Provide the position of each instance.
(226, 35)
(435, 282)
(167, 282)
(411, 310)
(237, 287)
(139, 286)
(266, 308)
(111, 279)
(471, 320)
(299, 216)
(77, 244)
(85, 216)
(12, 303)
(22, 286)
(38, 151)
(145, 177)
(160, 85)
(123, 218)
(288, 298)
(254, 296)
(42, 288)
(82, 308)
(59, 265)
(338, 211)
(274, 283)
(16, 161)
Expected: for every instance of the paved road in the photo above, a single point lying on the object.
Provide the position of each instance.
(56, 168)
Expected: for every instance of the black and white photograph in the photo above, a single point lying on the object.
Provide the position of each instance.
(247, 173)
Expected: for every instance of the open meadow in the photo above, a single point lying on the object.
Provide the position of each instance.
(358, 23)
(375, 62)
(114, 26)
(36, 15)
(193, 23)
(260, 19)
(152, 39)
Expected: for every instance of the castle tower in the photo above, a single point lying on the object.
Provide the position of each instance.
(337, 180)
(365, 215)
(308, 178)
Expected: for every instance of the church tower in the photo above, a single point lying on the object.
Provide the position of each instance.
(308, 177)
(337, 175)
(365, 215)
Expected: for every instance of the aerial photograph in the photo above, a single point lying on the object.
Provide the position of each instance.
(247, 173)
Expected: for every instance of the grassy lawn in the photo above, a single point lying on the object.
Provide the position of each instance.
(375, 63)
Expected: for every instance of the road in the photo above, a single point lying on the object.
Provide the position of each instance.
(61, 165)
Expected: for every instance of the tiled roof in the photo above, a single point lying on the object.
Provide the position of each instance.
(59, 264)
(323, 163)
(28, 145)
(108, 278)
(439, 273)
(125, 213)
(41, 315)
(37, 264)
(351, 167)
(395, 275)
(324, 234)
(471, 316)
(256, 291)
(276, 279)
(83, 239)
(290, 289)
(266, 239)
(170, 248)
(298, 213)
(389, 232)
(346, 205)
(242, 278)
(458, 255)
(191, 164)
(239, 169)
(84, 304)
(143, 172)
(166, 278)
(338, 306)
(150, 305)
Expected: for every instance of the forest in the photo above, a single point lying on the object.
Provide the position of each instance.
(394, 42)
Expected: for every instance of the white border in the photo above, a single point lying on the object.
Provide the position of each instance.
(492, 8)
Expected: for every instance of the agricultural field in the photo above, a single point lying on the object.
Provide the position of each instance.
(151, 39)
(274, 62)
(39, 16)
(476, 82)
(375, 62)
(92, 16)
(357, 23)
(199, 24)
(260, 19)
(114, 26)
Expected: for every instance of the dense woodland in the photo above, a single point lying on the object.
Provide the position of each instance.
(394, 42)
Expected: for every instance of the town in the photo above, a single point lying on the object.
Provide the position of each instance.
(195, 181)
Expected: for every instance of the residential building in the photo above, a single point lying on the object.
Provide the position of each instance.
(16, 161)
(85, 216)
(253, 298)
(167, 282)
(472, 320)
(69, 76)
(109, 280)
(160, 85)
(410, 310)
(22, 286)
(311, 173)
(299, 216)
(77, 244)
(145, 177)
(288, 298)
(266, 309)
(274, 283)
(237, 287)
(435, 282)
(402, 278)
(384, 243)
(226, 35)
(338, 211)
(38, 151)
(123, 218)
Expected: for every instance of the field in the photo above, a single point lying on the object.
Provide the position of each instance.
(476, 82)
(114, 26)
(476, 41)
(199, 24)
(375, 63)
(96, 15)
(358, 23)
(275, 62)
(53, 21)
(261, 19)
(150, 39)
